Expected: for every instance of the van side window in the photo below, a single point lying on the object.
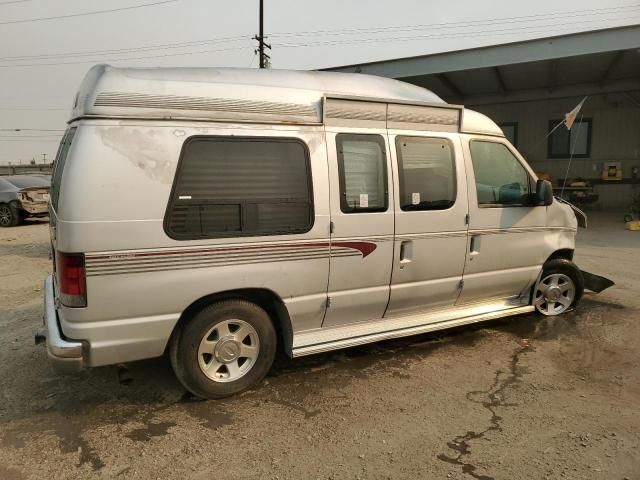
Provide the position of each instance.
(58, 165)
(427, 173)
(240, 186)
(362, 167)
(500, 177)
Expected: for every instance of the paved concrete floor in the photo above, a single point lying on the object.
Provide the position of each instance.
(525, 397)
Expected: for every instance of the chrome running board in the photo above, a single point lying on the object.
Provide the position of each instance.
(325, 339)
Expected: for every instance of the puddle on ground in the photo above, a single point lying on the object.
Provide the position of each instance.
(150, 430)
(69, 433)
(211, 414)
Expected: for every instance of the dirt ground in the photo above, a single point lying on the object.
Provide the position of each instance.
(525, 397)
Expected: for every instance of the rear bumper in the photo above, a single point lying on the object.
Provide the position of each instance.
(65, 355)
(35, 208)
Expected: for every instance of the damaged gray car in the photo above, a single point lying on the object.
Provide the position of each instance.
(23, 196)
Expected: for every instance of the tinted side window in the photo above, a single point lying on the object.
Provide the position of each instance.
(239, 187)
(500, 177)
(362, 167)
(58, 166)
(427, 173)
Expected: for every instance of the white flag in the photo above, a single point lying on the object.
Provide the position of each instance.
(570, 117)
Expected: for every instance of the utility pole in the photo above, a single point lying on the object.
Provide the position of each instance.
(264, 58)
(44, 158)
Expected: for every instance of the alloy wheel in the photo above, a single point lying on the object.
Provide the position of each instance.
(555, 294)
(6, 215)
(229, 350)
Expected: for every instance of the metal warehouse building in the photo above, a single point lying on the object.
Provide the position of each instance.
(528, 86)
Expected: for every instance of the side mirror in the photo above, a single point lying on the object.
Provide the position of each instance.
(544, 193)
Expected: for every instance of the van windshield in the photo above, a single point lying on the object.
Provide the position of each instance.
(58, 166)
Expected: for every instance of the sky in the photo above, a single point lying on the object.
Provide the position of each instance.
(43, 59)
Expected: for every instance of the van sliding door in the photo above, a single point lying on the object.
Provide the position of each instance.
(431, 232)
(362, 226)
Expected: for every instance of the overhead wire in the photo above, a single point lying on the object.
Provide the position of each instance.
(125, 59)
(30, 136)
(436, 26)
(510, 31)
(30, 130)
(131, 49)
(82, 14)
(499, 20)
(32, 109)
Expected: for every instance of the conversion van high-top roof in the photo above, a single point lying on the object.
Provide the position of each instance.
(219, 214)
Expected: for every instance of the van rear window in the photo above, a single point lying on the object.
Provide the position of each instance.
(234, 186)
(58, 165)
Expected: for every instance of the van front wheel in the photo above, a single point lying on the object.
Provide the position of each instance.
(559, 289)
(224, 349)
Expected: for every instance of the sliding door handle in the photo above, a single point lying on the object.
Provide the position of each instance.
(474, 246)
(406, 252)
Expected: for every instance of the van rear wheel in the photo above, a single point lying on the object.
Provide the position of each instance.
(559, 288)
(224, 349)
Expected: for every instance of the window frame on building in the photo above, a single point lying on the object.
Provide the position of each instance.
(514, 125)
(576, 128)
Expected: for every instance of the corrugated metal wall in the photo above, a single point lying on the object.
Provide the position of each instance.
(615, 138)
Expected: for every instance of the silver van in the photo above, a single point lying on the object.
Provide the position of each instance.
(220, 214)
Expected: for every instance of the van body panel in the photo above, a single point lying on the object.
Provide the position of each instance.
(430, 245)
(116, 220)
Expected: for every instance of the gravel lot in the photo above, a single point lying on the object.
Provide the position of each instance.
(525, 397)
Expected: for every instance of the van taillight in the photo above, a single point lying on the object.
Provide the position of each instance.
(72, 285)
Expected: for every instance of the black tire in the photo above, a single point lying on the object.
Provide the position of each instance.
(9, 215)
(568, 268)
(185, 344)
(628, 218)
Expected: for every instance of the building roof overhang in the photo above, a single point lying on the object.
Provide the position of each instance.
(585, 63)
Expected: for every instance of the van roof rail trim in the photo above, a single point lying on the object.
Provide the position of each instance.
(237, 95)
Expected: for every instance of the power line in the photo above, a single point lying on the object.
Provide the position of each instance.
(123, 59)
(30, 109)
(30, 136)
(519, 19)
(95, 12)
(499, 20)
(509, 31)
(14, 1)
(30, 130)
(32, 140)
(131, 49)
(527, 18)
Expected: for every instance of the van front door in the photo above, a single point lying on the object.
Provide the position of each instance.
(362, 227)
(506, 236)
(431, 231)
